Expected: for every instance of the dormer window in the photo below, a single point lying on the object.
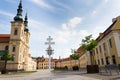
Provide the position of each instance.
(16, 31)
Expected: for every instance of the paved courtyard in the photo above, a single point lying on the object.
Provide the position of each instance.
(67, 75)
(46, 75)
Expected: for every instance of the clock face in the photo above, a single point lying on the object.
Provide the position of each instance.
(16, 24)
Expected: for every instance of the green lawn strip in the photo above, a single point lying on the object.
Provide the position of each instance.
(58, 71)
(21, 72)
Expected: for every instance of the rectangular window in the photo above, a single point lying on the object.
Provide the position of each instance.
(102, 61)
(110, 43)
(13, 50)
(104, 46)
(100, 49)
(107, 61)
(113, 59)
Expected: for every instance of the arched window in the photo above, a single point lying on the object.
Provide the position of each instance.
(6, 47)
(13, 50)
(16, 31)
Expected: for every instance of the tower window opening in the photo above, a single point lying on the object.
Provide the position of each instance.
(13, 50)
(15, 31)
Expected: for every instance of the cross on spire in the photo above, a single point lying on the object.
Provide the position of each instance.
(49, 39)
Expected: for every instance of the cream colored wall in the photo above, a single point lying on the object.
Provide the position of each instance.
(109, 51)
(40, 65)
(83, 61)
(68, 63)
(44, 64)
(2, 45)
(58, 64)
(31, 65)
(20, 27)
(21, 41)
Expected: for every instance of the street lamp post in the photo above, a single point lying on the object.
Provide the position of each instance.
(49, 50)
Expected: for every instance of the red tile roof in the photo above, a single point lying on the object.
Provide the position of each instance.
(45, 59)
(4, 38)
(80, 51)
(64, 59)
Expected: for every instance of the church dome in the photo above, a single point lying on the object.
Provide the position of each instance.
(18, 18)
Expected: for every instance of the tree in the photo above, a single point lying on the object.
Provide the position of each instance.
(75, 56)
(5, 57)
(89, 44)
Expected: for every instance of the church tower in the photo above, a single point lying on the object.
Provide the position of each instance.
(19, 40)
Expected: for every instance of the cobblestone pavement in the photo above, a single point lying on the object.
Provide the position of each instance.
(46, 75)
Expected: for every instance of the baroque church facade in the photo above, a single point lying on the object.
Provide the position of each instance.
(17, 43)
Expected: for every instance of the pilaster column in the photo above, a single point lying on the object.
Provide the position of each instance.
(103, 54)
(96, 56)
(117, 42)
(108, 49)
(88, 58)
(99, 56)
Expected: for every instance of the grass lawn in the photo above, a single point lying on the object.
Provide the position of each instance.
(21, 72)
(55, 71)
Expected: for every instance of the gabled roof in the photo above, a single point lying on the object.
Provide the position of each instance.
(4, 38)
(107, 31)
(80, 50)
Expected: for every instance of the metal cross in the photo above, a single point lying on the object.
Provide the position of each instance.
(49, 39)
(49, 50)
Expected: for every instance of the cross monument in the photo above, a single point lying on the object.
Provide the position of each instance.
(49, 50)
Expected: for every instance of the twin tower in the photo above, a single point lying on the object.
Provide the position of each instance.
(19, 42)
(19, 17)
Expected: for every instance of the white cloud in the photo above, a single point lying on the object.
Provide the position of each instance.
(6, 13)
(11, 1)
(69, 37)
(94, 12)
(106, 1)
(63, 6)
(42, 3)
(68, 30)
(65, 39)
(5, 25)
(72, 23)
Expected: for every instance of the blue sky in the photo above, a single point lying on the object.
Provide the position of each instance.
(66, 21)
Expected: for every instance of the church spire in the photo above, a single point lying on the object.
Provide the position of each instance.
(18, 17)
(26, 20)
(26, 23)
